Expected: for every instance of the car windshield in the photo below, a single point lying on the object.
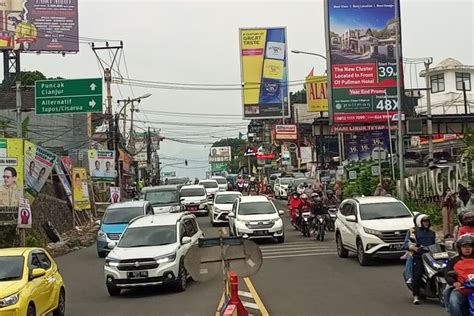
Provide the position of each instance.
(221, 180)
(297, 182)
(11, 268)
(286, 181)
(162, 197)
(148, 236)
(255, 208)
(175, 181)
(121, 215)
(209, 184)
(192, 192)
(383, 211)
(226, 198)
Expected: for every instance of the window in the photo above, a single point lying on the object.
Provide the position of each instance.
(44, 260)
(437, 83)
(463, 77)
(121, 215)
(345, 209)
(189, 227)
(34, 262)
(149, 210)
(384, 211)
(148, 236)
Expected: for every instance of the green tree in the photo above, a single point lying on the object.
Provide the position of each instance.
(28, 78)
(468, 153)
(237, 151)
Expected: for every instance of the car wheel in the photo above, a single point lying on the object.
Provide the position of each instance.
(341, 251)
(362, 257)
(281, 239)
(182, 280)
(113, 290)
(102, 254)
(31, 310)
(61, 309)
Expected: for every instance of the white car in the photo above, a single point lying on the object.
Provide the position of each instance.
(281, 187)
(151, 252)
(194, 199)
(222, 205)
(211, 186)
(221, 182)
(256, 217)
(371, 227)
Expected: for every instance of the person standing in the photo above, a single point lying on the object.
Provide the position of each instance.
(448, 204)
(379, 190)
(463, 194)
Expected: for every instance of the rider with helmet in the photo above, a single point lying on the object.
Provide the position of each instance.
(467, 223)
(463, 265)
(317, 207)
(330, 199)
(294, 203)
(253, 186)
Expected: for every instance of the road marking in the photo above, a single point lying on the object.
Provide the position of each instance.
(289, 244)
(245, 294)
(256, 298)
(294, 248)
(219, 307)
(250, 305)
(300, 255)
(225, 231)
(291, 253)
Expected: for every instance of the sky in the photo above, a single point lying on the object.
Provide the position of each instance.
(197, 42)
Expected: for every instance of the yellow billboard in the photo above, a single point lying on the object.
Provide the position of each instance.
(11, 166)
(80, 189)
(317, 93)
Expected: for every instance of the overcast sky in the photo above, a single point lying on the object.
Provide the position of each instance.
(197, 42)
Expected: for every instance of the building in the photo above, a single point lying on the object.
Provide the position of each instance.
(448, 96)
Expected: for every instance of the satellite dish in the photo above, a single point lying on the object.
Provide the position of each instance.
(245, 260)
(203, 264)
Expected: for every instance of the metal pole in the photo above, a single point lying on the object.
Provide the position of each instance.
(428, 113)
(401, 163)
(298, 138)
(132, 138)
(389, 128)
(282, 105)
(108, 81)
(19, 129)
(380, 166)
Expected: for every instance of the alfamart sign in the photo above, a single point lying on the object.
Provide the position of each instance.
(432, 183)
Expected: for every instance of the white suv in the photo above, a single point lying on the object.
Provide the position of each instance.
(256, 217)
(151, 252)
(372, 227)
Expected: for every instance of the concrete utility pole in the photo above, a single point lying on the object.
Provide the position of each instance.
(132, 136)
(401, 161)
(428, 112)
(19, 129)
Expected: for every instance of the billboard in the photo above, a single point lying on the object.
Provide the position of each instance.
(285, 132)
(80, 189)
(264, 72)
(38, 163)
(11, 167)
(368, 145)
(220, 154)
(317, 93)
(32, 25)
(362, 39)
(102, 165)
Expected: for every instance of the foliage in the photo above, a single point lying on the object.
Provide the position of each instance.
(34, 239)
(428, 208)
(298, 96)
(237, 150)
(28, 78)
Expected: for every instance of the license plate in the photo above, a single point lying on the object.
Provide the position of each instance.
(396, 247)
(440, 255)
(261, 232)
(192, 208)
(137, 274)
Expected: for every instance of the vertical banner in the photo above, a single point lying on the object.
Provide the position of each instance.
(64, 181)
(11, 168)
(80, 189)
(115, 194)
(264, 72)
(67, 164)
(362, 39)
(364, 146)
(352, 148)
(38, 164)
(102, 165)
(367, 145)
(317, 93)
(25, 218)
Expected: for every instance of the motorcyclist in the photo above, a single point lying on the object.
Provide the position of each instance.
(330, 200)
(293, 205)
(467, 224)
(317, 207)
(424, 237)
(253, 186)
(305, 205)
(463, 265)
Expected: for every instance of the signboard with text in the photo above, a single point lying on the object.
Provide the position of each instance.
(317, 93)
(220, 154)
(286, 132)
(68, 96)
(362, 60)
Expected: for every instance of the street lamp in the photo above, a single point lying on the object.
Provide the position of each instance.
(308, 53)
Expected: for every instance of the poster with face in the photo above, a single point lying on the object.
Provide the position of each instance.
(25, 218)
(11, 168)
(80, 189)
(102, 165)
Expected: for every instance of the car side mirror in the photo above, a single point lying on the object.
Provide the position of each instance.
(37, 272)
(97, 222)
(182, 199)
(351, 218)
(231, 214)
(186, 240)
(111, 245)
(281, 212)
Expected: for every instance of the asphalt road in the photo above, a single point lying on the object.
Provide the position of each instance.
(300, 277)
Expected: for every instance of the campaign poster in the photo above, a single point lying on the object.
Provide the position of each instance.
(115, 194)
(80, 189)
(264, 72)
(67, 164)
(11, 167)
(25, 218)
(38, 164)
(220, 154)
(363, 44)
(64, 181)
(102, 165)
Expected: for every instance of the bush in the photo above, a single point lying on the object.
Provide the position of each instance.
(428, 208)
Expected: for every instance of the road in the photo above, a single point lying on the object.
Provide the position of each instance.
(300, 277)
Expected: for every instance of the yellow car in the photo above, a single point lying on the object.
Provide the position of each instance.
(30, 283)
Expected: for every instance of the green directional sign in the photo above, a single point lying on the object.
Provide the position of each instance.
(68, 96)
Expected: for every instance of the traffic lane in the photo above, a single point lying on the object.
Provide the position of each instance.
(86, 293)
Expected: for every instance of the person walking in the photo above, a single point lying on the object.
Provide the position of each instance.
(448, 204)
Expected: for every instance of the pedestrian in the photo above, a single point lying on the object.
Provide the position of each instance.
(379, 190)
(448, 203)
(338, 190)
(464, 194)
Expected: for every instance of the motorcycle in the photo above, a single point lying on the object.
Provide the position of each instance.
(240, 187)
(433, 284)
(303, 220)
(331, 218)
(319, 227)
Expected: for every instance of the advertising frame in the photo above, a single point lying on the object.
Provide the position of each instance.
(316, 104)
(219, 149)
(97, 157)
(12, 188)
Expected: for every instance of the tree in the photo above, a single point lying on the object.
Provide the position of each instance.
(28, 78)
(468, 153)
(298, 96)
(237, 150)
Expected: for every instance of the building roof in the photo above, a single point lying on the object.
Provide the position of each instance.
(193, 186)
(448, 64)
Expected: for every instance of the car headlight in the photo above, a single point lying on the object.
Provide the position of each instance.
(277, 221)
(110, 262)
(166, 259)
(203, 201)
(437, 265)
(101, 234)
(175, 208)
(243, 221)
(9, 300)
(372, 232)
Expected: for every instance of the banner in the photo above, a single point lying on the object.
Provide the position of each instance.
(218, 166)
(33, 25)
(67, 164)
(362, 38)
(285, 132)
(115, 194)
(11, 166)
(220, 154)
(264, 72)
(102, 165)
(365, 146)
(25, 218)
(37, 167)
(64, 181)
(317, 93)
(80, 189)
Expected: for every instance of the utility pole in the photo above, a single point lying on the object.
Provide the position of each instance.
(401, 161)
(116, 140)
(148, 151)
(19, 129)
(428, 112)
(132, 136)
(108, 82)
(298, 139)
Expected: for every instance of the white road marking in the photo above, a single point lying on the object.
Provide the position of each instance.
(292, 252)
(250, 305)
(295, 248)
(300, 255)
(245, 294)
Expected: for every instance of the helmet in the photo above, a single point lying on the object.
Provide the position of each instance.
(467, 239)
(468, 218)
(415, 214)
(419, 218)
(304, 196)
(313, 195)
(252, 179)
(305, 185)
(329, 192)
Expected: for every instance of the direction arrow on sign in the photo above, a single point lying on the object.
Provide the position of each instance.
(68, 96)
